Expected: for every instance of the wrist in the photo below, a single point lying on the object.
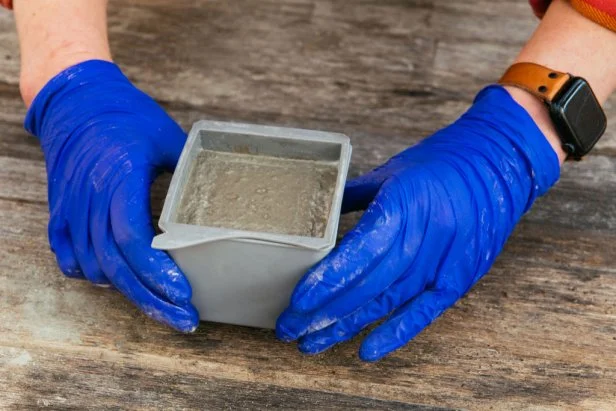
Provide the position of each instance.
(79, 93)
(499, 134)
(540, 115)
(55, 35)
(37, 72)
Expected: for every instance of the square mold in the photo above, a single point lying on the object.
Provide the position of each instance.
(240, 276)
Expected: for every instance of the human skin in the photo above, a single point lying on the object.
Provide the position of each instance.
(56, 34)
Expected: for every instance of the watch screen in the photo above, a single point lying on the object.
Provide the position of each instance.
(583, 114)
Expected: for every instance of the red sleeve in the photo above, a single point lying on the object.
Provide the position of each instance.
(7, 3)
(539, 6)
(602, 12)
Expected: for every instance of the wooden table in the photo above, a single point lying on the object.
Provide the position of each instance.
(539, 331)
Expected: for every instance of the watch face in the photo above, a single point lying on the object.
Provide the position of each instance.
(578, 116)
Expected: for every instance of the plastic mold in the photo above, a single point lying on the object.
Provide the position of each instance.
(246, 277)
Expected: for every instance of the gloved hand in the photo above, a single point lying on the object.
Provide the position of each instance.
(104, 142)
(438, 215)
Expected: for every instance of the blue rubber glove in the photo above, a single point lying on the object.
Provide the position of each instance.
(104, 143)
(437, 216)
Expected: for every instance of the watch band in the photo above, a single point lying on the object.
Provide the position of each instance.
(7, 3)
(574, 109)
(542, 82)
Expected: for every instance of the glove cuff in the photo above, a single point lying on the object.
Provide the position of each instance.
(63, 84)
(495, 106)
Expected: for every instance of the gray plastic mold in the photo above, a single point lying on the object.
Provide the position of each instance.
(243, 277)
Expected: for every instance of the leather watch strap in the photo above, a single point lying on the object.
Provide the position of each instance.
(542, 82)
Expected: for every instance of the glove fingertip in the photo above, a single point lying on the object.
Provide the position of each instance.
(379, 343)
(71, 271)
(188, 322)
(311, 347)
(286, 327)
(68, 263)
(62, 247)
(370, 352)
(283, 334)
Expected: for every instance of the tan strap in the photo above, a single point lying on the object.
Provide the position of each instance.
(538, 80)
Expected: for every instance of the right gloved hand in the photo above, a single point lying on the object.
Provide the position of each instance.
(437, 215)
(105, 142)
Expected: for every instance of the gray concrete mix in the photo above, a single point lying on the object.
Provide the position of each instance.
(259, 193)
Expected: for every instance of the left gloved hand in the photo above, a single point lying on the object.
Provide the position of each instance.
(105, 141)
(438, 215)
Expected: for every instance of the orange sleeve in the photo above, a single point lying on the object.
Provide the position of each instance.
(7, 3)
(602, 12)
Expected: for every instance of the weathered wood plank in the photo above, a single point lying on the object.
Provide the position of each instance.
(483, 341)
(68, 380)
(390, 70)
(553, 282)
(537, 332)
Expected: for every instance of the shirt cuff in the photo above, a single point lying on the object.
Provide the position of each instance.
(602, 12)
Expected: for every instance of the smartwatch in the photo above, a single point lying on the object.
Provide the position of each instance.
(577, 115)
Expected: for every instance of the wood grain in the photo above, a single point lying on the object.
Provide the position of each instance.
(538, 332)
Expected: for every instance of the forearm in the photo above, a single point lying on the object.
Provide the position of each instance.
(566, 41)
(56, 34)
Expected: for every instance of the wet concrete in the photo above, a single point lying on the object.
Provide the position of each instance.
(259, 193)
